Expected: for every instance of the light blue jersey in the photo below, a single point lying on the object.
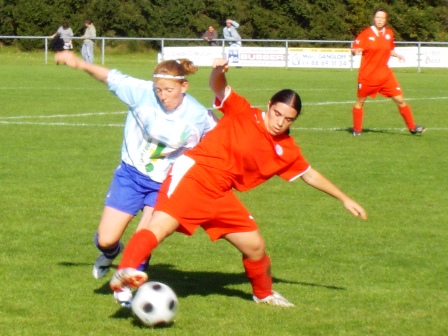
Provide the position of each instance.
(154, 138)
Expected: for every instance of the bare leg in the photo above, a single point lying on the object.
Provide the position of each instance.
(112, 225)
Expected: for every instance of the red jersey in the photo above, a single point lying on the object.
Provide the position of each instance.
(240, 153)
(376, 48)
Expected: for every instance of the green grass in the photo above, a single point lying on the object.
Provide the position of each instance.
(60, 142)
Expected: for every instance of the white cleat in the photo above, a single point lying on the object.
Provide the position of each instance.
(124, 297)
(102, 264)
(275, 299)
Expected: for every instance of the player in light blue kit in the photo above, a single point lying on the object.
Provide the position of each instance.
(162, 123)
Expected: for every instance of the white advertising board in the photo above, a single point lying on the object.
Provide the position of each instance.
(256, 56)
(200, 56)
(237, 56)
(436, 57)
(319, 58)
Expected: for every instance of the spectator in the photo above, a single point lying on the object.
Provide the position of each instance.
(65, 32)
(87, 46)
(210, 36)
(230, 33)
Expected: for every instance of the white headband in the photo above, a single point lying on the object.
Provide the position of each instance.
(167, 76)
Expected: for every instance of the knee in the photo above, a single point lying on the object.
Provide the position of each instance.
(256, 250)
(105, 241)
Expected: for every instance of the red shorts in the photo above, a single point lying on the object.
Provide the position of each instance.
(193, 205)
(388, 89)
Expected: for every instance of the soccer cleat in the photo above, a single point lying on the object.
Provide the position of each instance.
(356, 133)
(418, 130)
(275, 299)
(124, 297)
(103, 263)
(127, 277)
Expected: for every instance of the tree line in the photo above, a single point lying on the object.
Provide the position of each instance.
(412, 20)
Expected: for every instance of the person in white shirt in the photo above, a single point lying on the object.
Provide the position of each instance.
(163, 121)
(231, 34)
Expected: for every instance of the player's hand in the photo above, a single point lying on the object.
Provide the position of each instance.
(355, 209)
(67, 57)
(221, 64)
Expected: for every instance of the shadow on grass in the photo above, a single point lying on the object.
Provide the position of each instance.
(379, 131)
(126, 313)
(186, 283)
(205, 283)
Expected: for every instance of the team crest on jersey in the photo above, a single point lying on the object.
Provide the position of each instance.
(387, 36)
(279, 150)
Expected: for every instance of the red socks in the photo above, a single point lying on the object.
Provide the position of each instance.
(138, 249)
(357, 119)
(259, 274)
(143, 242)
(407, 116)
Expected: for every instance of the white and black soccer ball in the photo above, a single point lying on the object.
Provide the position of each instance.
(155, 304)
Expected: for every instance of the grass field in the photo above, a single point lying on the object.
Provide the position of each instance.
(60, 137)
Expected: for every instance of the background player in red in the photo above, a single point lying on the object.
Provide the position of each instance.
(245, 149)
(376, 45)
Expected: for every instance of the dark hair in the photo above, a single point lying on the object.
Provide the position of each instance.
(65, 25)
(381, 9)
(288, 97)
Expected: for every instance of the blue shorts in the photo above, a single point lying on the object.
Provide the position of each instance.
(130, 190)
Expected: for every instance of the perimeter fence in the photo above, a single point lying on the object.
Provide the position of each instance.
(275, 53)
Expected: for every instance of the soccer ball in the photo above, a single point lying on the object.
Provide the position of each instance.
(155, 304)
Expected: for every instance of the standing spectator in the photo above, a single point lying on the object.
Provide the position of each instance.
(87, 46)
(210, 36)
(245, 149)
(376, 45)
(65, 33)
(230, 33)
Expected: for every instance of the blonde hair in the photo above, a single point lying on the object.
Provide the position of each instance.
(175, 69)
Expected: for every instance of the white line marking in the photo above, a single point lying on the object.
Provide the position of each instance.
(318, 129)
(63, 115)
(367, 129)
(5, 120)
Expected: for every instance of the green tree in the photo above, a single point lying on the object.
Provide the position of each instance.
(423, 20)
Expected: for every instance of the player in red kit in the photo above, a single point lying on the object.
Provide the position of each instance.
(246, 148)
(376, 45)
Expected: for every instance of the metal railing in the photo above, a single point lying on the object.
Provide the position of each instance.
(247, 42)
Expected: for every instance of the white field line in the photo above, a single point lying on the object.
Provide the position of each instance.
(8, 120)
(63, 115)
(4, 122)
(318, 129)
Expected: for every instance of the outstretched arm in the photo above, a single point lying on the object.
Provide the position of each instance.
(320, 182)
(218, 81)
(397, 55)
(69, 58)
